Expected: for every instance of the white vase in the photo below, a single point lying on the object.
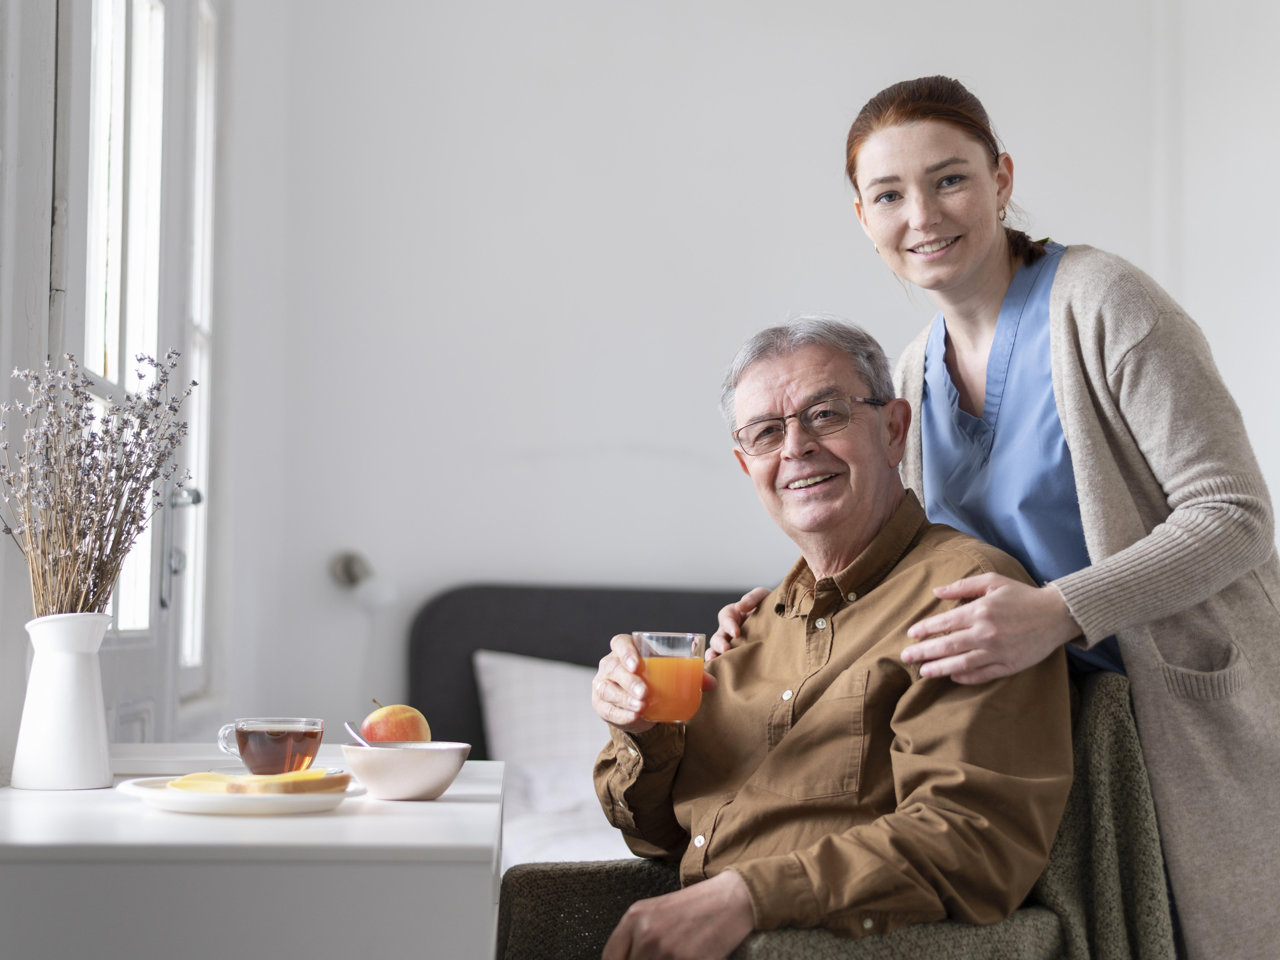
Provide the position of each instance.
(62, 741)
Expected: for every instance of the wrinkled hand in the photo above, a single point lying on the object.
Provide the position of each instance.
(705, 921)
(1005, 627)
(619, 693)
(731, 618)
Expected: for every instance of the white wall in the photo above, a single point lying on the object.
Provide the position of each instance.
(1228, 138)
(27, 52)
(481, 266)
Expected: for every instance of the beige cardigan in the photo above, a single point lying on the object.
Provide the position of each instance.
(1183, 572)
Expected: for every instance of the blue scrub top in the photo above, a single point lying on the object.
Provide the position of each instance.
(1006, 477)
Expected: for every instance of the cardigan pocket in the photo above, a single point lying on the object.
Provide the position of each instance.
(1187, 684)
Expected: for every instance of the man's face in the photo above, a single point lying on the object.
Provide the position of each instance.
(829, 493)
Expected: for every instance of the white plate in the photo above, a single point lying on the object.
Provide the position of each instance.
(154, 792)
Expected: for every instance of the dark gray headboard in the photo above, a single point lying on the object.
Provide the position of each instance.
(573, 624)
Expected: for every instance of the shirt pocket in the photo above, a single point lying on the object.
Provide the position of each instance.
(822, 754)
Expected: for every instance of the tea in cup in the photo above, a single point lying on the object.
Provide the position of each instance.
(671, 664)
(273, 744)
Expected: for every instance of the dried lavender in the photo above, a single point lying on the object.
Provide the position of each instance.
(84, 485)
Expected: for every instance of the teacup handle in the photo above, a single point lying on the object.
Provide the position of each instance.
(227, 740)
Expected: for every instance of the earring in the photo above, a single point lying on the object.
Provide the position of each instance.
(877, 248)
(1002, 213)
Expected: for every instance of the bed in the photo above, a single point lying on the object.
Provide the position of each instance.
(508, 669)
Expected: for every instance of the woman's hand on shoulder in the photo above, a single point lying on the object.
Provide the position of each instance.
(731, 618)
(1006, 626)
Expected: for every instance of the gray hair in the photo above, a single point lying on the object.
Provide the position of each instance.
(859, 346)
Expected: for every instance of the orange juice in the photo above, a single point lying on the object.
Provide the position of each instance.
(675, 688)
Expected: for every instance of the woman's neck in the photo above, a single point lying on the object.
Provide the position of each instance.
(971, 314)
(972, 309)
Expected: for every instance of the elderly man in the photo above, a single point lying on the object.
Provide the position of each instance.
(823, 781)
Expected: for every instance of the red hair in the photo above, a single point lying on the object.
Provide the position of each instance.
(933, 98)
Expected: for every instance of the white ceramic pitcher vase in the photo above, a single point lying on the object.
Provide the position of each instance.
(62, 740)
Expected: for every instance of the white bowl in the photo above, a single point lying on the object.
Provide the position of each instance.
(403, 770)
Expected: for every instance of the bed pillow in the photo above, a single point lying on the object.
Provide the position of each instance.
(538, 719)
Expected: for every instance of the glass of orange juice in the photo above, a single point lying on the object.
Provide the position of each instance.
(671, 664)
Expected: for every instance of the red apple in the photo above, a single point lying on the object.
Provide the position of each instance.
(395, 721)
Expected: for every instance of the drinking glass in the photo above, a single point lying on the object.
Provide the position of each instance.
(671, 664)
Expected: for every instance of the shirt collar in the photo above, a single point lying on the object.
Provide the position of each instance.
(800, 590)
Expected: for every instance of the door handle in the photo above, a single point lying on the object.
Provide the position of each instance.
(175, 561)
(185, 497)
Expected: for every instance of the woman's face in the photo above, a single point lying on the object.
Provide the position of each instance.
(929, 197)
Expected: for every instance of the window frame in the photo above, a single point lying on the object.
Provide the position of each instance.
(146, 709)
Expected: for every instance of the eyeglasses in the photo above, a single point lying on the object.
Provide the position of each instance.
(817, 420)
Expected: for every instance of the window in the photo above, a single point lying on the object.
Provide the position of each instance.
(132, 238)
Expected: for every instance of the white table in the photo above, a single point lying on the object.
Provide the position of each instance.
(99, 875)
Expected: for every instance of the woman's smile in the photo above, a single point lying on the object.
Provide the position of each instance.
(932, 246)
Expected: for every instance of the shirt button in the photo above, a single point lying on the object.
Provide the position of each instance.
(786, 694)
(820, 623)
(868, 923)
(699, 840)
(852, 597)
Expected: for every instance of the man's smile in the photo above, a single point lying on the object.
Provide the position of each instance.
(809, 481)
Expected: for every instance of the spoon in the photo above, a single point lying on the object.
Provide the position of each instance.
(358, 739)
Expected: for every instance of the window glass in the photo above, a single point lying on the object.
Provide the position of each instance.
(122, 270)
(106, 190)
(146, 130)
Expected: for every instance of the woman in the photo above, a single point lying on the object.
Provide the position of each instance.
(1068, 411)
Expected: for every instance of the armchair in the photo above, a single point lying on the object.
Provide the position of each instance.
(1102, 895)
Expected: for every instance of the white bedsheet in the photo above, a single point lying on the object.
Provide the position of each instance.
(539, 720)
(551, 814)
(560, 836)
